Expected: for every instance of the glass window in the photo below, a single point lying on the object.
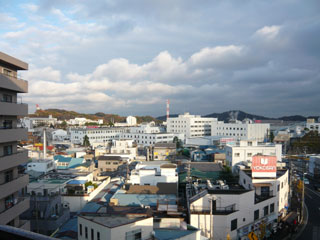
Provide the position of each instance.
(80, 229)
(234, 224)
(272, 208)
(266, 210)
(256, 214)
(134, 235)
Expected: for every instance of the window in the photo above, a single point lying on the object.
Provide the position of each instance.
(92, 234)
(234, 224)
(237, 154)
(134, 235)
(98, 235)
(249, 154)
(256, 214)
(8, 176)
(278, 188)
(249, 143)
(7, 150)
(266, 210)
(281, 185)
(86, 232)
(272, 208)
(80, 229)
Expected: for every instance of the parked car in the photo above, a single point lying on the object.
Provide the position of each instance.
(316, 187)
(306, 181)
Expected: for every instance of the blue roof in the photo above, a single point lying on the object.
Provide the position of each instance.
(70, 226)
(77, 182)
(75, 162)
(61, 158)
(143, 199)
(91, 207)
(168, 234)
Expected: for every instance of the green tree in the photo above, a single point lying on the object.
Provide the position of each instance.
(86, 141)
(271, 137)
(178, 142)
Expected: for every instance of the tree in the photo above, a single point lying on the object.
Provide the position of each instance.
(86, 141)
(271, 136)
(178, 142)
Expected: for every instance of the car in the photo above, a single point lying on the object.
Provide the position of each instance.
(316, 187)
(306, 181)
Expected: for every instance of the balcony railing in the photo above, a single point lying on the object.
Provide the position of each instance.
(14, 209)
(215, 211)
(263, 197)
(14, 159)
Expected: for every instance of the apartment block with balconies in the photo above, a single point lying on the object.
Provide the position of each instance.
(12, 183)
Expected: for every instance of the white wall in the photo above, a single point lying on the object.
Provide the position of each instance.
(117, 233)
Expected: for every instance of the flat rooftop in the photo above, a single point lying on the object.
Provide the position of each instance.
(112, 221)
(280, 173)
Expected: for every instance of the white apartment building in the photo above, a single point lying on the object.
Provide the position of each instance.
(241, 130)
(127, 147)
(243, 152)
(96, 135)
(43, 165)
(152, 173)
(130, 121)
(313, 126)
(238, 212)
(190, 125)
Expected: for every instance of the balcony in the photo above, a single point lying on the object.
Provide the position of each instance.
(13, 108)
(264, 196)
(13, 160)
(13, 83)
(215, 211)
(14, 185)
(13, 134)
(21, 205)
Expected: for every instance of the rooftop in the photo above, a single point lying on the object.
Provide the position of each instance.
(112, 221)
(110, 158)
(280, 173)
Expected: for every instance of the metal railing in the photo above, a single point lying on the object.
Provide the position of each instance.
(14, 102)
(15, 77)
(217, 210)
(14, 202)
(263, 197)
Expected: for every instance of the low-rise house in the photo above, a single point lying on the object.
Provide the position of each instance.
(109, 163)
(114, 227)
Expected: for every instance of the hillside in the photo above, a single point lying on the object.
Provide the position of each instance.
(240, 115)
(61, 114)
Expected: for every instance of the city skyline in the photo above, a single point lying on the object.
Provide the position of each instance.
(127, 59)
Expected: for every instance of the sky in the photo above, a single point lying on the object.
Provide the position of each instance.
(129, 57)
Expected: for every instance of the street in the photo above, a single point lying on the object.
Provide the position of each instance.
(312, 200)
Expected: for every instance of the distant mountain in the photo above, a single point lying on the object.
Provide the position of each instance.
(235, 114)
(61, 114)
(240, 115)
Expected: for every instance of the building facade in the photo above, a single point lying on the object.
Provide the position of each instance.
(241, 130)
(243, 152)
(190, 125)
(12, 184)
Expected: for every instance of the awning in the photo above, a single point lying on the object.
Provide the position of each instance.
(262, 184)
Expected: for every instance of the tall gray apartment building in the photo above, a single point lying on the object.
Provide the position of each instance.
(12, 183)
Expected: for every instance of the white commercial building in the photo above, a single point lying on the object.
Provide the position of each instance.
(190, 125)
(154, 172)
(31, 123)
(59, 135)
(130, 121)
(243, 152)
(241, 130)
(96, 135)
(237, 212)
(83, 121)
(313, 126)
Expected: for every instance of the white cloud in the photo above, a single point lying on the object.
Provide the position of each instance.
(269, 32)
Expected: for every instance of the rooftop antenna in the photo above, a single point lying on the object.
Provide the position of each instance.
(168, 109)
(44, 144)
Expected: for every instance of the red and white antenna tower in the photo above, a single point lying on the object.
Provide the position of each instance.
(168, 107)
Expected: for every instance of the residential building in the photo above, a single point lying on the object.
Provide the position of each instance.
(12, 184)
(109, 163)
(243, 152)
(245, 130)
(128, 147)
(43, 165)
(149, 139)
(59, 135)
(190, 125)
(130, 121)
(154, 172)
(237, 211)
(105, 226)
(47, 212)
(313, 126)
(161, 151)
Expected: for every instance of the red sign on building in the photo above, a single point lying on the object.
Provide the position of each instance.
(264, 166)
